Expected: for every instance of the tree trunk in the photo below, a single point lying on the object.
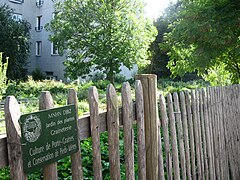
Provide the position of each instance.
(110, 73)
(110, 77)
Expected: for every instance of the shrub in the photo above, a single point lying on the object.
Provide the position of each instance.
(37, 74)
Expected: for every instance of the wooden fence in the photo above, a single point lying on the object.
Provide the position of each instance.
(25, 102)
(192, 135)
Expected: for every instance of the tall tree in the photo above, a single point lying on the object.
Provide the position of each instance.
(204, 35)
(101, 34)
(14, 43)
(159, 57)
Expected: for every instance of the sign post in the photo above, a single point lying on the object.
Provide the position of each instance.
(48, 136)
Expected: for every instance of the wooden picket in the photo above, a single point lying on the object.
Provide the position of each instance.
(76, 160)
(46, 102)
(195, 135)
(127, 114)
(94, 116)
(140, 131)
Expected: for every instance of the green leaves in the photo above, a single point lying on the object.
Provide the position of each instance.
(101, 34)
(209, 31)
(14, 43)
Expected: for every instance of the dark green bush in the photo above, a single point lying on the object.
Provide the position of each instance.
(37, 74)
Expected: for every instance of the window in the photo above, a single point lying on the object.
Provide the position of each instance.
(16, 1)
(17, 17)
(50, 76)
(38, 24)
(54, 49)
(39, 3)
(38, 48)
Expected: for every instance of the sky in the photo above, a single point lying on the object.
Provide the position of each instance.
(154, 8)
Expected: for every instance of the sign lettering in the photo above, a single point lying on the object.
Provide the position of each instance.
(48, 136)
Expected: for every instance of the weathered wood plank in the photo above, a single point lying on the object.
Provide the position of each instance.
(199, 133)
(113, 132)
(215, 132)
(191, 134)
(236, 117)
(229, 126)
(161, 174)
(127, 113)
(94, 116)
(226, 163)
(3, 151)
(12, 114)
(210, 123)
(227, 132)
(203, 132)
(174, 137)
(196, 133)
(149, 84)
(234, 130)
(76, 158)
(160, 158)
(226, 140)
(221, 134)
(165, 127)
(140, 131)
(180, 134)
(46, 102)
(185, 134)
(207, 132)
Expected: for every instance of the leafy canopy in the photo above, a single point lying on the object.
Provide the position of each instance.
(159, 57)
(14, 43)
(205, 35)
(101, 34)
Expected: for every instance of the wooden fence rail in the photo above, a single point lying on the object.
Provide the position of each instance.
(194, 135)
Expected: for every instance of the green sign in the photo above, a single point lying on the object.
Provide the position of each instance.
(48, 136)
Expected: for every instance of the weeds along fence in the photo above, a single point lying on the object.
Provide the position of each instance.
(186, 135)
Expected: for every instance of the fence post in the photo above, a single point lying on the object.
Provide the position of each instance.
(46, 102)
(149, 84)
(76, 158)
(12, 114)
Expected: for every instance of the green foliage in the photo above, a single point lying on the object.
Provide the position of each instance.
(14, 43)
(159, 57)
(203, 35)
(33, 89)
(37, 74)
(166, 86)
(98, 76)
(120, 78)
(101, 35)
(4, 173)
(3, 76)
(218, 76)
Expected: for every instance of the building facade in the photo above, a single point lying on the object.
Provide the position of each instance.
(43, 54)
